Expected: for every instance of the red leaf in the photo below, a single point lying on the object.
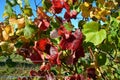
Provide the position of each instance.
(67, 43)
(50, 76)
(33, 73)
(67, 7)
(35, 58)
(78, 41)
(55, 59)
(41, 44)
(53, 55)
(72, 42)
(67, 16)
(37, 50)
(78, 53)
(57, 6)
(91, 73)
(25, 50)
(62, 31)
(45, 67)
(46, 75)
(73, 14)
(43, 25)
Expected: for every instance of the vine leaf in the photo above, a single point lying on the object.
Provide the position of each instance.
(29, 31)
(93, 34)
(101, 59)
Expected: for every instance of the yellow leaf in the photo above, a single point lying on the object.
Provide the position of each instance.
(110, 4)
(5, 14)
(19, 32)
(1, 38)
(104, 12)
(86, 4)
(12, 21)
(70, 2)
(20, 22)
(99, 13)
(22, 38)
(9, 30)
(5, 35)
(101, 1)
(118, 18)
(86, 8)
(1, 26)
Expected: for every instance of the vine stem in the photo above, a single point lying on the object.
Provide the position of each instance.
(101, 73)
(91, 53)
(94, 60)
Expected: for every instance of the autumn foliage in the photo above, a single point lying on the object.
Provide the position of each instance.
(63, 50)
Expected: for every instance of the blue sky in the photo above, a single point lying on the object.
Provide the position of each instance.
(2, 4)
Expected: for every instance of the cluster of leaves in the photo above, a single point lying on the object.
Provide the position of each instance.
(63, 50)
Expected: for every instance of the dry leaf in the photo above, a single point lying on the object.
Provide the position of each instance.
(41, 13)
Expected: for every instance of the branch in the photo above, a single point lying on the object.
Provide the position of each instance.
(102, 74)
(91, 53)
(106, 53)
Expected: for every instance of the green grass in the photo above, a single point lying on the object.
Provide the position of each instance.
(20, 68)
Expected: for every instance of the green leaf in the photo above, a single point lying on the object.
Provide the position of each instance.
(68, 26)
(54, 24)
(93, 34)
(13, 2)
(18, 44)
(46, 4)
(5, 14)
(28, 11)
(29, 31)
(101, 59)
(19, 2)
(8, 10)
(4, 46)
(81, 23)
(27, 4)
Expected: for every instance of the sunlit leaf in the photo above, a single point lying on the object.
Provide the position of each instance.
(86, 8)
(29, 31)
(28, 11)
(27, 4)
(93, 34)
(68, 26)
(7, 47)
(5, 35)
(9, 30)
(5, 14)
(20, 22)
(19, 2)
